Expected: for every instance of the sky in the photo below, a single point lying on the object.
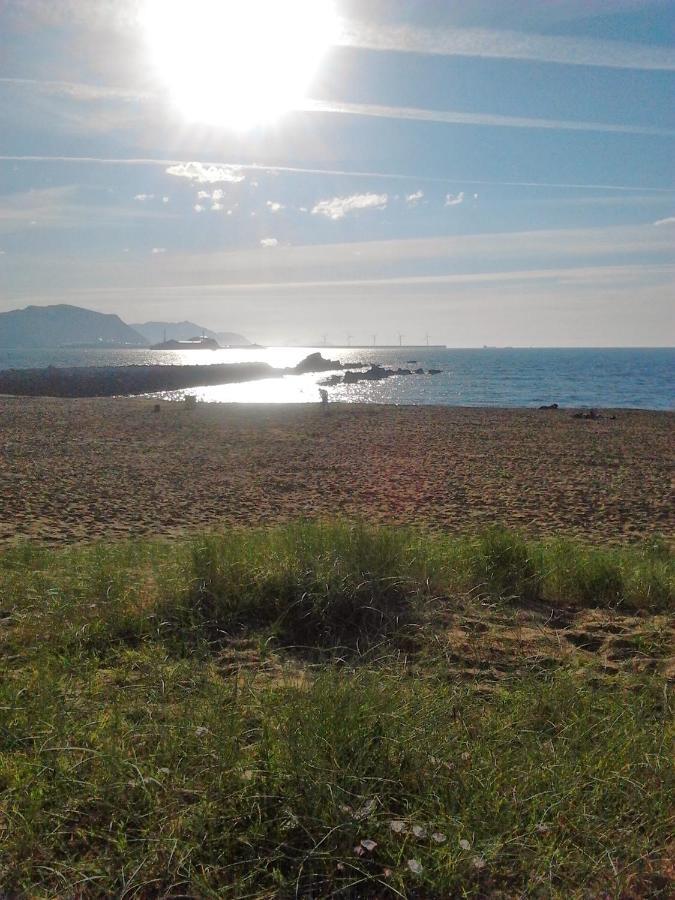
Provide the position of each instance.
(496, 172)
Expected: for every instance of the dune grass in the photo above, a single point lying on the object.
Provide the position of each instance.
(136, 761)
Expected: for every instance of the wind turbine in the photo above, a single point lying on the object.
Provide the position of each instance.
(427, 338)
(374, 337)
(400, 339)
(349, 340)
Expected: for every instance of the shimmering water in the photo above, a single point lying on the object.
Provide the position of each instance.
(638, 378)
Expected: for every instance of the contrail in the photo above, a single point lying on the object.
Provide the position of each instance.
(259, 169)
(482, 119)
(495, 44)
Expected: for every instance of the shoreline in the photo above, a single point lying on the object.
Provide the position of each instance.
(158, 398)
(109, 469)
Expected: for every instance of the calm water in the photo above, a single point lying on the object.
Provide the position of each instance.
(642, 379)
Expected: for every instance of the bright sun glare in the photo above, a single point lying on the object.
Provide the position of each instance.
(237, 63)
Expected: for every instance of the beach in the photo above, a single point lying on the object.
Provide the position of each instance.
(88, 469)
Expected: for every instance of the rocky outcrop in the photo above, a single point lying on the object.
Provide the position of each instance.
(374, 373)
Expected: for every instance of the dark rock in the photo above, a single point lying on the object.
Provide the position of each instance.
(316, 363)
(435, 371)
(552, 406)
(593, 415)
(419, 371)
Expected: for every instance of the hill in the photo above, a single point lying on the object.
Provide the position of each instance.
(156, 332)
(63, 325)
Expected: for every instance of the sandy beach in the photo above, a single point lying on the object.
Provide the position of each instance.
(81, 470)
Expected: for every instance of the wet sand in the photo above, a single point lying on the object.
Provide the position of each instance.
(81, 470)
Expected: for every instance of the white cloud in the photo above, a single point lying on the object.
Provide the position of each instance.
(497, 44)
(198, 208)
(454, 199)
(414, 199)
(339, 207)
(668, 221)
(142, 198)
(214, 197)
(274, 207)
(165, 199)
(205, 173)
(157, 250)
(269, 242)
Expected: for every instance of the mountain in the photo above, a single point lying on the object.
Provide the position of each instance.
(62, 326)
(157, 332)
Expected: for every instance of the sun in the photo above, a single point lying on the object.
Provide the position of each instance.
(237, 63)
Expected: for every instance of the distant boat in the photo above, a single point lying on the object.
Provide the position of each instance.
(193, 344)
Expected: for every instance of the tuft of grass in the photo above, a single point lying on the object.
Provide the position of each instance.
(315, 587)
(501, 564)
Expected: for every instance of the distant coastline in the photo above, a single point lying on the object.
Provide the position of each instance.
(370, 346)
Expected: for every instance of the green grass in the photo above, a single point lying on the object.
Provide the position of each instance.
(137, 761)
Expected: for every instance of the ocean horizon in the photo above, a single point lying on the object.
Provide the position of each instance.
(639, 378)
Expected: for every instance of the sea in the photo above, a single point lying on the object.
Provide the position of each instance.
(499, 377)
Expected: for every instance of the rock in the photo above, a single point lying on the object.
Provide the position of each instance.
(316, 363)
(331, 381)
(435, 371)
(419, 371)
(552, 406)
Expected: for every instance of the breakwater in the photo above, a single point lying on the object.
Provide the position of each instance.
(113, 381)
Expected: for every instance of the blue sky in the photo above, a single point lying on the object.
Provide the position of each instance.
(495, 172)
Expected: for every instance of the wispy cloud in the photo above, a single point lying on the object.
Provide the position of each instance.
(77, 90)
(451, 117)
(454, 199)
(560, 275)
(578, 51)
(143, 198)
(158, 250)
(269, 242)
(204, 173)
(414, 199)
(68, 207)
(274, 206)
(669, 221)
(339, 207)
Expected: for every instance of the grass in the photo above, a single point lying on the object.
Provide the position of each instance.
(147, 750)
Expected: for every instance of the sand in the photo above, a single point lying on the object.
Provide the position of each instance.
(81, 470)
